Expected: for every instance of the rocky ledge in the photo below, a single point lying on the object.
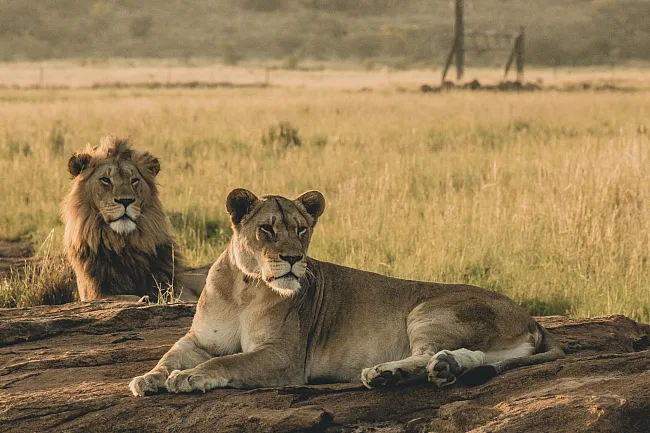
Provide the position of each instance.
(67, 368)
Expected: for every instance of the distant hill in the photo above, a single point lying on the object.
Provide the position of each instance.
(394, 32)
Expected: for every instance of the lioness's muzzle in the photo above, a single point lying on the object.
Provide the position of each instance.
(288, 274)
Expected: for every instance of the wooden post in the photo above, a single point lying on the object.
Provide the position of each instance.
(520, 55)
(41, 77)
(517, 54)
(511, 57)
(448, 63)
(459, 40)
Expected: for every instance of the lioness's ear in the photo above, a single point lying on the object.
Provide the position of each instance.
(78, 163)
(148, 162)
(314, 203)
(239, 203)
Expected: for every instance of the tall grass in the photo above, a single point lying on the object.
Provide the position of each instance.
(49, 281)
(540, 196)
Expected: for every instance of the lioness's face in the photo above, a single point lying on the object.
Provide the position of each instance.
(272, 235)
(119, 188)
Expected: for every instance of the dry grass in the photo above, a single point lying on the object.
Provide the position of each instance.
(168, 293)
(540, 196)
(49, 281)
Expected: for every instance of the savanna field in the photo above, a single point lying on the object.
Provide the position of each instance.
(542, 196)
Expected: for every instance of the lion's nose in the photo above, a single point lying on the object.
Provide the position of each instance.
(124, 201)
(291, 259)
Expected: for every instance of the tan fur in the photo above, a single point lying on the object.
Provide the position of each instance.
(118, 249)
(255, 328)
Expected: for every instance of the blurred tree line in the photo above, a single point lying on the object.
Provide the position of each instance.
(398, 33)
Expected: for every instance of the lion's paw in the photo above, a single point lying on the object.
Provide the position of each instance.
(381, 375)
(443, 369)
(143, 385)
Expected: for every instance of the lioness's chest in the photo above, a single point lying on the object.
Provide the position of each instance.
(218, 332)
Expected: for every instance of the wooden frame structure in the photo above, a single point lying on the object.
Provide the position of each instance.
(491, 41)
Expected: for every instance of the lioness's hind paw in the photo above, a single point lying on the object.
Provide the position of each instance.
(443, 369)
(378, 376)
(140, 386)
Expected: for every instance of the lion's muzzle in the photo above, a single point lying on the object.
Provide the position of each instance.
(122, 216)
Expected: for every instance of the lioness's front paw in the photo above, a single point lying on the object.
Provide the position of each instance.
(443, 369)
(190, 380)
(142, 385)
(381, 375)
(179, 381)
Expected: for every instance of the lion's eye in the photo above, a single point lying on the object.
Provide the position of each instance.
(105, 180)
(267, 228)
(135, 181)
(301, 230)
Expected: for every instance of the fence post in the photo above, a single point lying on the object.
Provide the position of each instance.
(520, 55)
(510, 58)
(460, 40)
(449, 59)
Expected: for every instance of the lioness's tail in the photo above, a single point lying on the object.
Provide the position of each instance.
(549, 350)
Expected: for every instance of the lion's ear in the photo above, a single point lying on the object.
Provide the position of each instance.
(148, 162)
(314, 203)
(239, 202)
(78, 163)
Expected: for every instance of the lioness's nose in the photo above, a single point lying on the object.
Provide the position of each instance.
(291, 259)
(124, 201)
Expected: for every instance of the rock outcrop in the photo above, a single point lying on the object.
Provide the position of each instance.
(67, 368)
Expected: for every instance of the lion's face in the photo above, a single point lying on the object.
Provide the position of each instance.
(118, 183)
(118, 192)
(272, 235)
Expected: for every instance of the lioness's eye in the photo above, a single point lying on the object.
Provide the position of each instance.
(105, 180)
(301, 230)
(135, 181)
(267, 228)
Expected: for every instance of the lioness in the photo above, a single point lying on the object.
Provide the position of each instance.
(117, 236)
(271, 316)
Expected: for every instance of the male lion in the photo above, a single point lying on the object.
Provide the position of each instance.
(272, 316)
(117, 236)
